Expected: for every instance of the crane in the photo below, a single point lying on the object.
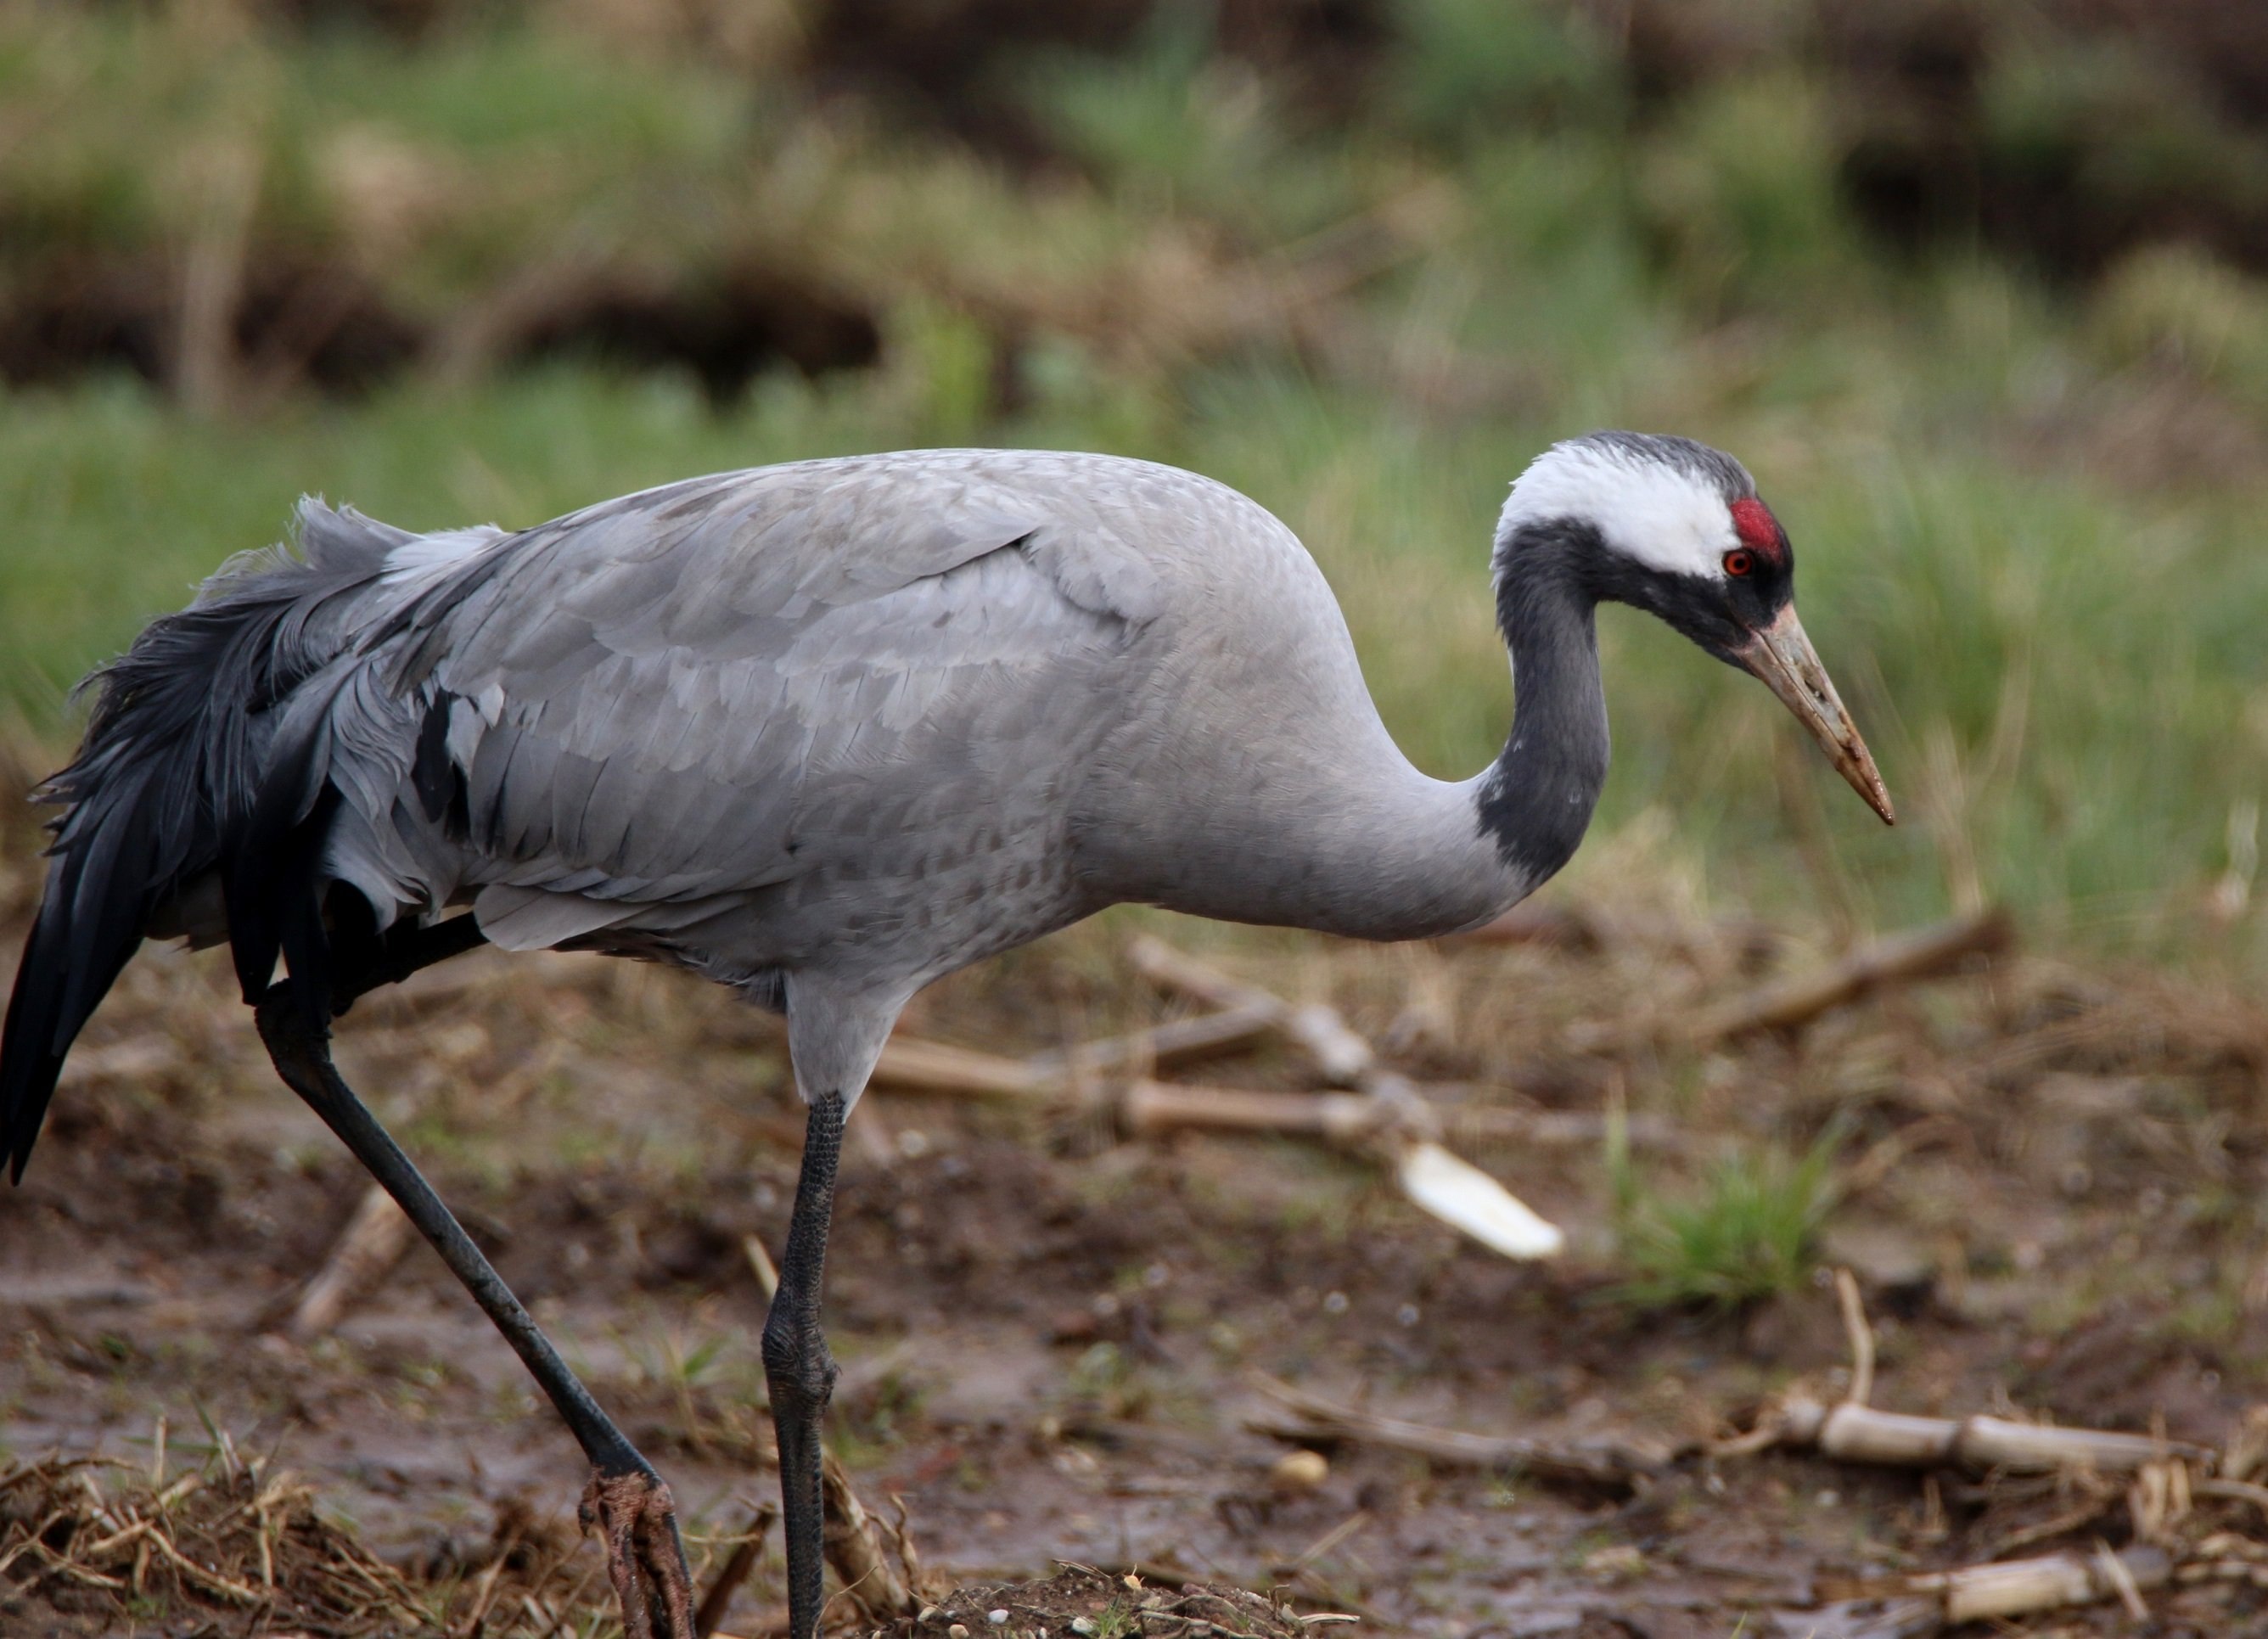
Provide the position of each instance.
(824, 733)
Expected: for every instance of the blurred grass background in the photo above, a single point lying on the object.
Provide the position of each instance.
(1978, 289)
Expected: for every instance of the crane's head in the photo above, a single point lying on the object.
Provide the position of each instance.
(1675, 528)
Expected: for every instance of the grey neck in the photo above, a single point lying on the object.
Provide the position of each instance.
(1536, 802)
(1332, 828)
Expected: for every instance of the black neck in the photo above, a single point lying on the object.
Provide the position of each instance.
(1537, 801)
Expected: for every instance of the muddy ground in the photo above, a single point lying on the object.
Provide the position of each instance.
(2048, 1183)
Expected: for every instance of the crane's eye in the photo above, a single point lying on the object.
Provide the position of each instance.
(1738, 563)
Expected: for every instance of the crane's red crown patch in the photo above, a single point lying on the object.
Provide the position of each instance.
(1759, 529)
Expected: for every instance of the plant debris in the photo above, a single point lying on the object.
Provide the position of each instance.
(94, 1536)
(1081, 1602)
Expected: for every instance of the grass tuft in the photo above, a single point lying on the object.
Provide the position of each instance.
(1747, 1233)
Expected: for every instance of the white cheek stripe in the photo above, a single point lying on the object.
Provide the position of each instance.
(1647, 510)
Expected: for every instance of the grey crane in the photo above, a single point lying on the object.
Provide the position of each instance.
(824, 733)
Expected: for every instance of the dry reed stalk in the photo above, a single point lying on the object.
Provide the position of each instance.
(908, 1064)
(1169, 1045)
(1900, 958)
(1308, 1418)
(1859, 1434)
(718, 1600)
(761, 1266)
(2158, 1499)
(372, 1242)
(1146, 1108)
(1853, 1431)
(1390, 1121)
(1341, 1056)
(860, 1548)
(1789, 1004)
(1978, 1593)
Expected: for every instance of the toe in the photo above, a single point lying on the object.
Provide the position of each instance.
(615, 1505)
(663, 1559)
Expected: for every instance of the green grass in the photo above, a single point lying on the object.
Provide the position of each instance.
(1744, 1232)
(2066, 719)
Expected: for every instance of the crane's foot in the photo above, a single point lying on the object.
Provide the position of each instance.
(635, 1520)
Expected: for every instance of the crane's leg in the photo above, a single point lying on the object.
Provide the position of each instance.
(625, 1498)
(798, 1367)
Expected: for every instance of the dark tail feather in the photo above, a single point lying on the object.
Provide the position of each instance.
(270, 878)
(43, 1020)
(88, 927)
(168, 786)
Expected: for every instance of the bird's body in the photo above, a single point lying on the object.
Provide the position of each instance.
(920, 709)
(824, 733)
(831, 729)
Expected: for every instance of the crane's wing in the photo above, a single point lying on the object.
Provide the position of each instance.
(688, 695)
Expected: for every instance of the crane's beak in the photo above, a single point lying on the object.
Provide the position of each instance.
(1783, 656)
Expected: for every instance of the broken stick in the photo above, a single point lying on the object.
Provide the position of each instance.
(1388, 1121)
(1169, 1045)
(1992, 1592)
(910, 1065)
(1859, 1434)
(1342, 1057)
(1788, 1003)
(718, 1600)
(1901, 958)
(1147, 1109)
(1978, 1593)
(1387, 1117)
(1853, 1431)
(1309, 1418)
(860, 1547)
(372, 1242)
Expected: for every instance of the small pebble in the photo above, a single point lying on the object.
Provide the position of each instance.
(998, 1619)
(1299, 1471)
(1081, 1626)
(1335, 1302)
(957, 1631)
(1616, 1559)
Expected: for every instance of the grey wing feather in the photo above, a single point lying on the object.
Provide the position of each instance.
(689, 694)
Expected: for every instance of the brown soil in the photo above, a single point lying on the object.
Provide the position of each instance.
(1048, 1333)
